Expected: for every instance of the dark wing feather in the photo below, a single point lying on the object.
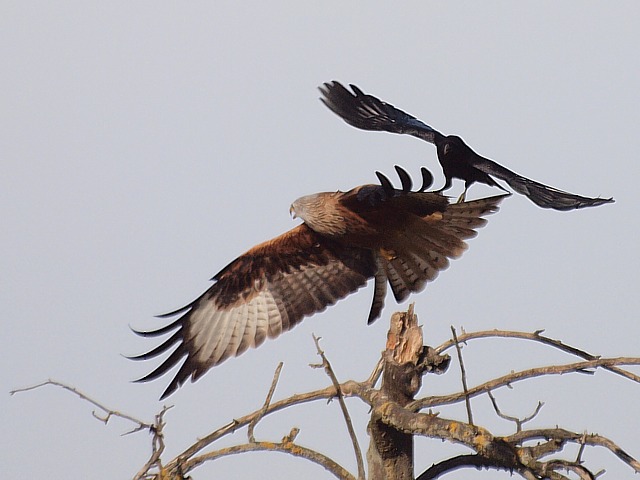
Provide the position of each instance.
(384, 198)
(379, 291)
(264, 292)
(542, 195)
(370, 113)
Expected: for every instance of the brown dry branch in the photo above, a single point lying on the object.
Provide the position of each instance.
(108, 412)
(455, 463)
(267, 401)
(463, 374)
(606, 363)
(286, 446)
(343, 407)
(561, 436)
(507, 453)
(536, 337)
(518, 421)
(157, 447)
(390, 453)
(513, 452)
(155, 428)
(349, 389)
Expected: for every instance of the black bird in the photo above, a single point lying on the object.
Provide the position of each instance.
(457, 159)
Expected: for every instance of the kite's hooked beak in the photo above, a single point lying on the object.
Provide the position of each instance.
(292, 212)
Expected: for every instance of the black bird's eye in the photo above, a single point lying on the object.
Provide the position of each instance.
(447, 148)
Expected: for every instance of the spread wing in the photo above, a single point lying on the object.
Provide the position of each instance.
(421, 240)
(370, 113)
(413, 261)
(542, 195)
(264, 292)
(413, 234)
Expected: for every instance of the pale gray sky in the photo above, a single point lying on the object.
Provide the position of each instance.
(144, 145)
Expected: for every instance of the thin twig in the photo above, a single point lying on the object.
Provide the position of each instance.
(518, 421)
(343, 406)
(156, 428)
(429, 402)
(284, 447)
(350, 388)
(109, 412)
(464, 376)
(581, 449)
(375, 374)
(536, 337)
(266, 404)
(157, 447)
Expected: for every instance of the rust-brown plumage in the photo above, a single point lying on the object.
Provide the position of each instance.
(399, 237)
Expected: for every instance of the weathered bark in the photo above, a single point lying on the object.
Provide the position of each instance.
(390, 455)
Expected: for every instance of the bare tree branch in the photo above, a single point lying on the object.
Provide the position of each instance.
(157, 447)
(108, 412)
(155, 428)
(463, 373)
(267, 401)
(505, 452)
(455, 463)
(563, 436)
(607, 363)
(343, 406)
(375, 374)
(502, 452)
(536, 337)
(285, 447)
(519, 422)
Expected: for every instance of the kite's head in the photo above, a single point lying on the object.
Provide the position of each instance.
(305, 208)
(320, 212)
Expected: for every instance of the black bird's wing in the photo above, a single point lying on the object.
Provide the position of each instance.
(370, 113)
(542, 195)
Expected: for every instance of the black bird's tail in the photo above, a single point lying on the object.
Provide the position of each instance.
(542, 195)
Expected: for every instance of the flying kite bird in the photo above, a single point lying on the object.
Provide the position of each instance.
(456, 157)
(398, 236)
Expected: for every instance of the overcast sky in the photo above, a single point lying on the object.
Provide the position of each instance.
(144, 145)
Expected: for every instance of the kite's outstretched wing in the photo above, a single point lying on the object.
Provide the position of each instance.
(260, 295)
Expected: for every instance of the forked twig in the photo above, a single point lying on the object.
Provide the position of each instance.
(109, 412)
(560, 434)
(428, 402)
(157, 447)
(156, 428)
(265, 406)
(536, 337)
(518, 421)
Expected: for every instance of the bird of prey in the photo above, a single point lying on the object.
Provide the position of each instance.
(457, 159)
(395, 236)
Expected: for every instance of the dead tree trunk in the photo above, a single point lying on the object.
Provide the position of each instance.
(406, 360)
